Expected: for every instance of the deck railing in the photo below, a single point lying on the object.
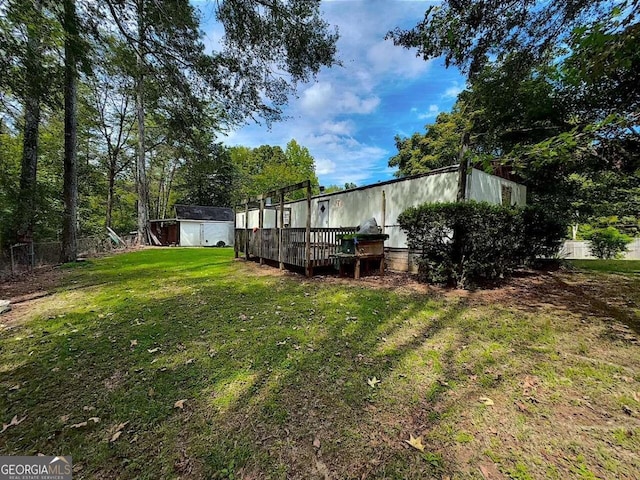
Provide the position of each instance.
(289, 245)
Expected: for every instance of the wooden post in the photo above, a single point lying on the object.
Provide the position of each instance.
(309, 270)
(260, 225)
(384, 211)
(246, 230)
(235, 227)
(281, 225)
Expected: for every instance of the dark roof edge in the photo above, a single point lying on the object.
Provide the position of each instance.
(199, 206)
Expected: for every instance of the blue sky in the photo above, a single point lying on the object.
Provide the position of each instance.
(349, 115)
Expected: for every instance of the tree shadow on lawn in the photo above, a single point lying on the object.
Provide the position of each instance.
(261, 380)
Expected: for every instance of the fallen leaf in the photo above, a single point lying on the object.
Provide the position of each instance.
(529, 384)
(415, 442)
(14, 421)
(373, 382)
(152, 392)
(134, 343)
(95, 419)
(64, 418)
(117, 431)
(179, 403)
(153, 350)
(522, 407)
(88, 409)
(120, 426)
(490, 471)
(78, 425)
(486, 401)
(190, 361)
(316, 442)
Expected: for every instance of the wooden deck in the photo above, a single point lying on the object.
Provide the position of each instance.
(288, 246)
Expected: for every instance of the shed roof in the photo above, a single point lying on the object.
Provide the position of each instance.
(197, 212)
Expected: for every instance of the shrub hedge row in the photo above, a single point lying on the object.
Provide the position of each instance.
(463, 244)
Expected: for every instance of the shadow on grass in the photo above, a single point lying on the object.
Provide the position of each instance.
(266, 365)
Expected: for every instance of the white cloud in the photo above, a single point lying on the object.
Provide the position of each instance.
(322, 99)
(324, 166)
(431, 113)
(453, 91)
(387, 59)
(345, 127)
(318, 97)
(352, 103)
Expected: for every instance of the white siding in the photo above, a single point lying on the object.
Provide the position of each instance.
(483, 187)
(196, 233)
(351, 208)
(189, 234)
(214, 232)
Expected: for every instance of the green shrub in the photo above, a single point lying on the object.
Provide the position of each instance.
(465, 243)
(544, 233)
(608, 242)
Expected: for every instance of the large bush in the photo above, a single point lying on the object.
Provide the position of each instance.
(608, 242)
(465, 243)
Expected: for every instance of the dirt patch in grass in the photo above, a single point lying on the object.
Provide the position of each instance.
(30, 285)
(25, 291)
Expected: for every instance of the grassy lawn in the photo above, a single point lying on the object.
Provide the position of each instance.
(537, 379)
(607, 266)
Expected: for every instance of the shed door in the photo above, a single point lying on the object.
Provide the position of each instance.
(323, 214)
(189, 234)
(212, 233)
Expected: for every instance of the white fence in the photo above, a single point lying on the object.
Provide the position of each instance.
(579, 250)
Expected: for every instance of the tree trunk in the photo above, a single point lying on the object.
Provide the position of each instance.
(458, 228)
(70, 189)
(463, 168)
(165, 204)
(141, 177)
(25, 215)
(112, 181)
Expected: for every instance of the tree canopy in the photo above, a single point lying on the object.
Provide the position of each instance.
(558, 104)
(152, 104)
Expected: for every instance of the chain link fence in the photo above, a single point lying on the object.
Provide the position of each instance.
(24, 257)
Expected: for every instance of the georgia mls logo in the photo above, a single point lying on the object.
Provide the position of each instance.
(35, 468)
(58, 465)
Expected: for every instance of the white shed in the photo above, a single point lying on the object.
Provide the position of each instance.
(196, 226)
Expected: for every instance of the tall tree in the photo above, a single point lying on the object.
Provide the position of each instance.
(267, 167)
(69, 251)
(210, 179)
(437, 147)
(111, 102)
(244, 80)
(33, 78)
